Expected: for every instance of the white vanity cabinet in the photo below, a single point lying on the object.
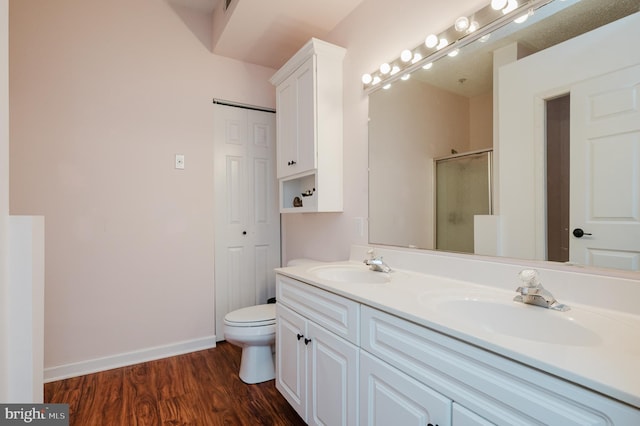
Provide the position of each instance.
(486, 388)
(342, 362)
(309, 128)
(317, 353)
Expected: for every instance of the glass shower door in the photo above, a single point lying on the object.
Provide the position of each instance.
(463, 189)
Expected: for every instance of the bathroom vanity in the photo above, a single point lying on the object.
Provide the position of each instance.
(440, 341)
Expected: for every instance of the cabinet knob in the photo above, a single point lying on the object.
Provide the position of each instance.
(291, 163)
(306, 341)
(300, 336)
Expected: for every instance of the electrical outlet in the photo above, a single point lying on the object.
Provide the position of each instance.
(179, 161)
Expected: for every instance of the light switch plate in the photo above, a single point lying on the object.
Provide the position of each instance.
(179, 161)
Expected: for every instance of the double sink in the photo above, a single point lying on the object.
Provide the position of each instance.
(486, 310)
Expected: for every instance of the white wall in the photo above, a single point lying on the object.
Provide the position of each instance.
(374, 33)
(26, 309)
(103, 95)
(4, 197)
(521, 163)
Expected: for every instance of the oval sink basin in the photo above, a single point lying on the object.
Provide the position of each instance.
(517, 320)
(350, 274)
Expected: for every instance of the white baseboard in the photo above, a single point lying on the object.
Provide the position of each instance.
(81, 368)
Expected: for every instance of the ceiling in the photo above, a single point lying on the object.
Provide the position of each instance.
(269, 32)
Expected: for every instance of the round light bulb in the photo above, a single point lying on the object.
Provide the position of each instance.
(443, 43)
(431, 41)
(461, 24)
(406, 55)
(366, 78)
(473, 26)
(511, 6)
(417, 57)
(427, 66)
(484, 38)
(395, 70)
(521, 19)
(376, 80)
(498, 4)
(454, 53)
(385, 68)
(406, 77)
(386, 86)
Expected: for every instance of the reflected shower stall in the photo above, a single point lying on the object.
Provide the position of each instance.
(463, 189)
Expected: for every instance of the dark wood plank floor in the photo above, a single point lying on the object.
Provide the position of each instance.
(200, 388)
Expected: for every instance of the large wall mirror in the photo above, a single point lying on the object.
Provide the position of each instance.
(478, 152)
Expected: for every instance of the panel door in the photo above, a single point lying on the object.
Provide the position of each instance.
(291, 359)
(332, 379)
(306, 98)
(296, 105)
(605, 170)
(287, 118)
(390, 397)
(247, 218)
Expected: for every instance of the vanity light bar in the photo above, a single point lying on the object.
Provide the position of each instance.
(482, 23)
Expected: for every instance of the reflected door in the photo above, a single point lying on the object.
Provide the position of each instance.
(463, 190)
(605, 171)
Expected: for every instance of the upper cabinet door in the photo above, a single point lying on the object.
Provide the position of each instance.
(296, 121)
(306, 98)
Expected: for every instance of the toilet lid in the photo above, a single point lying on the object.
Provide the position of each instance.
(252, 316)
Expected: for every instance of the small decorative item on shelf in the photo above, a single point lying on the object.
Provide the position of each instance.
(308, 192)
(297, 202)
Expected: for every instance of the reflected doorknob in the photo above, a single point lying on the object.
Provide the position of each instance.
(579, 233)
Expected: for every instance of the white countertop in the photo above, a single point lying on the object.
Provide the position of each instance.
(605, 356)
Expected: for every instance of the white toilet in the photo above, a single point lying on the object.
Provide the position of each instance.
(254, 330)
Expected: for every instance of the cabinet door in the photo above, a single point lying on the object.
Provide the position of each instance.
(296, 117)
(464, 417)
(291, 363)
(390, 397)
(332, 379)
(306, 97)
(287, 126)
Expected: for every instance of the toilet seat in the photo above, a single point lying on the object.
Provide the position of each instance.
(252, 316)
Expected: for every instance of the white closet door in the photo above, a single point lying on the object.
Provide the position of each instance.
(247, 219)
(605, 170)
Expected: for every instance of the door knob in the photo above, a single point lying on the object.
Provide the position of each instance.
(579, 233)
(244, 232)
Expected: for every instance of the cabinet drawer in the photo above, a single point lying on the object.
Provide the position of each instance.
(335, 313)
(500, 390)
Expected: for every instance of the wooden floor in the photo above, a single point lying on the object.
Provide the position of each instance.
(201, 388)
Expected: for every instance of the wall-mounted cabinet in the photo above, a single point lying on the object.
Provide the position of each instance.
(309, 129)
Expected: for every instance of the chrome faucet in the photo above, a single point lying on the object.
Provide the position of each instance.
(532, 292)
(376, 263)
